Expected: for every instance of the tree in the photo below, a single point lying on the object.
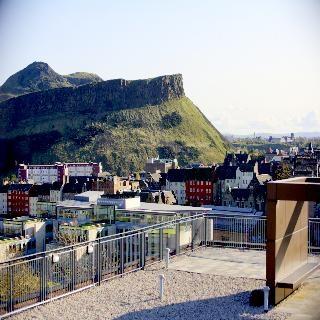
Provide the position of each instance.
(283, 171)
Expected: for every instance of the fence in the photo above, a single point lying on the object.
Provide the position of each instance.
(246, 232)
(31, 280)
(35, 279)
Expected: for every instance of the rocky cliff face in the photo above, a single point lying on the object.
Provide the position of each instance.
(118, 122)
(93, 100)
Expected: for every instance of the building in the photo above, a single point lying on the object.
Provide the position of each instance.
(14, 247)
(242, 185)
(19, 199)
(200, 186)
(45, 209)
(74, 212)
(176, 182)
(192, 185)
(49, 173)
(154, 165)
(112, 185)
(120, 201)
(84, 169)
(4, 199)
(69, 234)
(306, 164)
(46, 173)
(166, 197)
(23, 235)
(235, 159)
(88, 196)
(56, 192)
(70, 189)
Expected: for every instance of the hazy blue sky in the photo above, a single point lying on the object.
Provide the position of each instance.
(248, 65)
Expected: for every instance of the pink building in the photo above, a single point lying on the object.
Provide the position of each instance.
(49, 173)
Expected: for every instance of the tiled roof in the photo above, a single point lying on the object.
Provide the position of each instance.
(56, 185)
(20, 187)
(4, 188)
(246, 167)
(177, 175)
(182, 175)
(226, 172)
(72, 188)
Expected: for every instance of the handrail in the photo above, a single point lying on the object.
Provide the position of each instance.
(138, 231)
(102, 239)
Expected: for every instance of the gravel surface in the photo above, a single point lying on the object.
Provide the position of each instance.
(136, 296)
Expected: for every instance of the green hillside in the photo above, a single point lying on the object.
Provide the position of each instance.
(118, 122)
(123, 139)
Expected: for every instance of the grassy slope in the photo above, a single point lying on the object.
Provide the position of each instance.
(129, 136)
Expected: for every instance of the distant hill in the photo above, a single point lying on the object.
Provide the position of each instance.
(38, 76)
(118, 122)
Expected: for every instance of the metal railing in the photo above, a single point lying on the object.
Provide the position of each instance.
(35, 279)
(245, 232)
(314, 236)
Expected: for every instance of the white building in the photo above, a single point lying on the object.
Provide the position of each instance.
(120, 202)
(4, 199)
(83, 169)
(243, 177)
(179, 189)
(33, 205)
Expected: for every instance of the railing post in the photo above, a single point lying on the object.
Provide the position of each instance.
(193, 234)
(121, 256)
(213, 230)
(309, 237)
(142, 250)
(177, 238)
(161, 243)
(73, 269)
(43, 278)
(10, 289)
(98, 264)
(205, 231)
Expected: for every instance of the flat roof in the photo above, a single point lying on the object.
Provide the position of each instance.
(167, 207)
(75, 204)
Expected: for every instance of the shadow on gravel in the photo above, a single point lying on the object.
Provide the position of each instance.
(228, 307)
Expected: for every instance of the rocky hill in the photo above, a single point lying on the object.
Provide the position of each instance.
(38, 76)
(118, 122)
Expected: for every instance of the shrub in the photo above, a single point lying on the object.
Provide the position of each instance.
(171, 120)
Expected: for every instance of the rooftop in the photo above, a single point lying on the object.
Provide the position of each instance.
(202, 288)
(168, 207)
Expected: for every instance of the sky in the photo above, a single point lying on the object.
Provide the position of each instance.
(249, 65)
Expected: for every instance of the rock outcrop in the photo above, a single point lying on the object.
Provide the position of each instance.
(93, 99)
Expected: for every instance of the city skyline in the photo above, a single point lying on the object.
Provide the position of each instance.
(249, 67)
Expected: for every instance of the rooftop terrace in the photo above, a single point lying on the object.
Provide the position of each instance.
(210, 283)
(207, 282)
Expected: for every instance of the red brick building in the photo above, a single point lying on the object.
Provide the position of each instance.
(18, 199)
(199, 186)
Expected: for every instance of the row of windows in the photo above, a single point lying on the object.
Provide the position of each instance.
(200, 183)
(19, 204)
(17, 192)
(200, 190)
(200, 198)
